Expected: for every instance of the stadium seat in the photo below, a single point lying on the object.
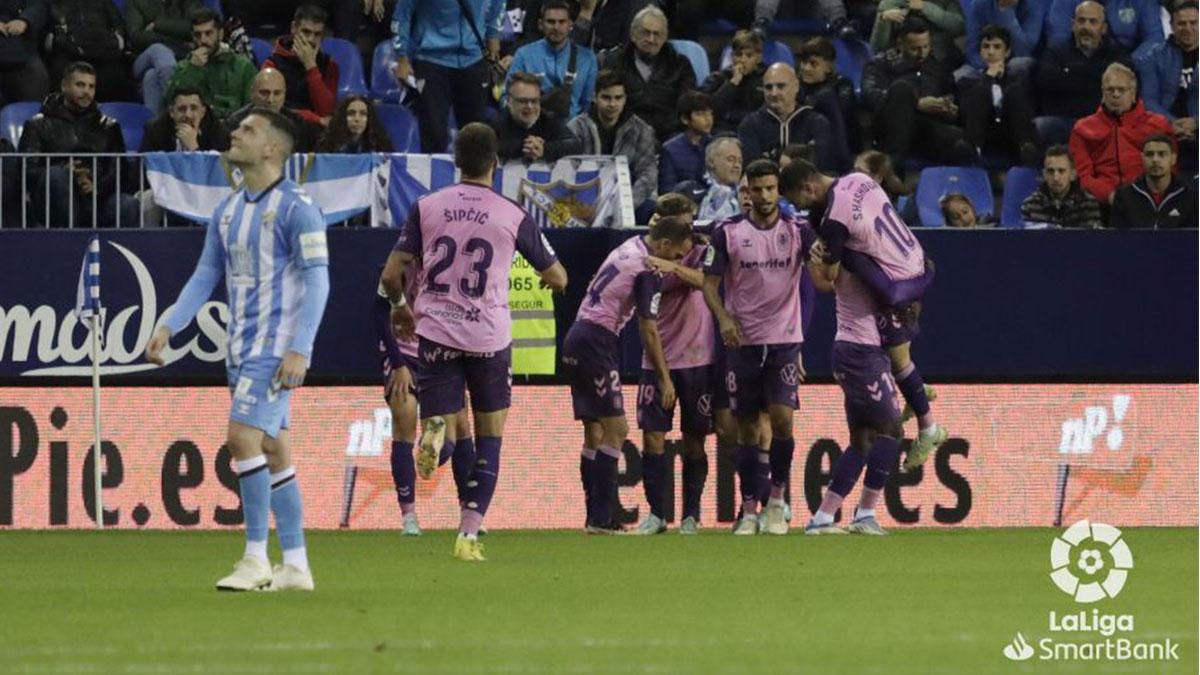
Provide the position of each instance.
(215, 5)
(852, 57)
(773, 52)
(401, 127)
(132, 117)
(14, 116)
(349, 60)
(261, 49)
(938, 181)
(384, 85)
(696, 54)
(1020, 182)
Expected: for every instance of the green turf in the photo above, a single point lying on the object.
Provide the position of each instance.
(926, 601)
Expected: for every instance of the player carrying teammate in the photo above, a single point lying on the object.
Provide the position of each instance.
(464, 238)
(760, 257)
(268, 239)
(627, 283)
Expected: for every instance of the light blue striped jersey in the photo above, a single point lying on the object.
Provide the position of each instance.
(265, 241)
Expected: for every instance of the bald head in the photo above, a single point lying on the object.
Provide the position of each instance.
(1089, 26)
(780, 87)
(268, 89)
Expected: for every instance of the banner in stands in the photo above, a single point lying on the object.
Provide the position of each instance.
(1032, 455)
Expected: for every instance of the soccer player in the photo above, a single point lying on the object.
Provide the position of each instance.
(268, 239)
(627, 283)
(463, 238)
(685, 327)
(859, 216)
(760, 257)
(400, 391)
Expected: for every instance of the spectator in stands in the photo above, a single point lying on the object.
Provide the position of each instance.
(567, 70)
(1107, 145)
(795, 151)
(1159, 199)
(737, 89)
(911, 94)
(222, 76)
(1059, 201)
(997, 107)
(1067, 79)
(525, 132)
(1135, 25)
(70, 122)
(611, 128)
(188, 125)
(159, 31)
(1167, 75)
(603, 24)
(682, 157)
(723, 164)
(1022, 19)
(655, 75)
(91, 31)
(879, 167)
(355, 128)
(829, 93)
(268, 90)
(365, 23)
(311, 74)
(959, 212)
(257, 14)
(781, 120)
(944, 17)
(449, 56)
(23, 76)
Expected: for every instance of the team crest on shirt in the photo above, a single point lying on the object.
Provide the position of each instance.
(268, 218)
(1127, 15)
(746, 243)
(782, 239)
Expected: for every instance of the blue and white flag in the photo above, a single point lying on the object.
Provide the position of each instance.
(339, 184)
(87, 295)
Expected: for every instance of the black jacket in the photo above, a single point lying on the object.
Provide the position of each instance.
(159, 134)
(58, 128)
(1133, 207)
(88, 30)
(765, 135)
(18, 50)
(654, 99)
(559, 140)
(931, 77)
(734, 102)
(1067, 81)
(834, 98)
(307, 133)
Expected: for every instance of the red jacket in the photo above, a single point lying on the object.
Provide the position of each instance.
(1108, 150)
(313, 89)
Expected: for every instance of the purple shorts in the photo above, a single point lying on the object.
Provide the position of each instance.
(895, 330)
(406, 361)
(720, 378)
(762, 375)
(589, 360)
(444, 372)
(693, 389)
(865, 375)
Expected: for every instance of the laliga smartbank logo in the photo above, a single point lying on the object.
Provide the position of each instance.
(1090, 562)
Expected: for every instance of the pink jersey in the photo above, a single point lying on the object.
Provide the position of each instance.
(872, 226)
(761, 269)
(684, 323)
(465, 236)
(856, 309)
(622, 286)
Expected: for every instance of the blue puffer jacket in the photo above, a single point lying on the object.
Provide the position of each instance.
(1159, 72)
(436, 31)
(1134, 24)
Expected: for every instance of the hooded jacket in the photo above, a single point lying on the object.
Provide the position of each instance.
(1134, 207)
(1107, 148)
(59, 129)
(764, 134)
(224, 81)
(312, 89)
(634, 139)
(1159, 74)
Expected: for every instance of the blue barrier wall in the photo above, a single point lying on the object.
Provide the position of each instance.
(1039, 305)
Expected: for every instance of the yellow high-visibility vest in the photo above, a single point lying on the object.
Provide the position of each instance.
(533, 330)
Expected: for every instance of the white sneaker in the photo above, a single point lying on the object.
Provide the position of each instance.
(866, 525)
(249, 574)
(689, 526)
(432, 439)
(290, 578)
(651, 525)
(747, 525)
(787, 512)
(775, 518)
(411, 527)
(828, 528)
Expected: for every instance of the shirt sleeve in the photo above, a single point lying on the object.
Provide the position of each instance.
(410, 233)
(834, 234)
(532, 244)
(647, 289)
(307, 234)
(717, 257)
(401, 24)
(209, 270)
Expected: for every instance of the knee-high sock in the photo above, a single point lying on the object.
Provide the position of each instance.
(782, 450)
(460, 464)
(604, 484)
(845, 474)
(880, 461)
(587, 459)
(912, 386)
(254, 484)
(746, 462)
(288, 508)
(482, 484)
(404, 475)
(654, 469)
(763, 477)
(695, 474)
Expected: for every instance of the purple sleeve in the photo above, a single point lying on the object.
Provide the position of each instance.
(717, 258)
(888, 292)
(532, 244)
(410, 233)
(381, 317)
(808, 302)
(834, 234)
(647, 288)
(808, 237)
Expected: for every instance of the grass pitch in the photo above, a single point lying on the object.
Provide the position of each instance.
(923, 601)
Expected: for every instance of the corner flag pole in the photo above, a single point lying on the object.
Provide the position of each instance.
(87, 306)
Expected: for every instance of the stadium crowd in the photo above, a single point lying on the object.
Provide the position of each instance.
(1100, 98)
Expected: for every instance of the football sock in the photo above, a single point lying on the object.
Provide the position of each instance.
(867, 502)
(653, 470)
(254, 484)
(695, 474)
(604, 481)
(482, 484)
(880, 461)
(587, 458)
(762, 476)
(782, 450)
(288, 508)
(446, 452)
(845, 474)
(460, 464)
(908, 379)
(404, 473)
(747, 465)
